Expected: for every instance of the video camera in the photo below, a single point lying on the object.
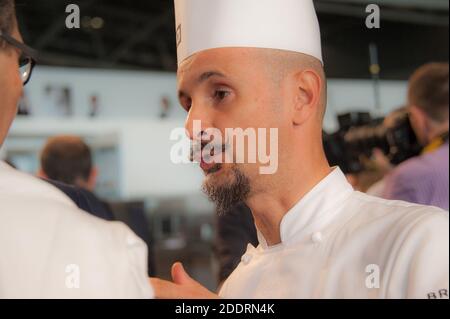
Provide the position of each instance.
(359, 134)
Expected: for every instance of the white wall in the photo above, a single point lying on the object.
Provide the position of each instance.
(146, 163)
(121, 94)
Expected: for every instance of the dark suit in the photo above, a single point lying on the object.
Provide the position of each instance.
(85, 200)
(235, 230)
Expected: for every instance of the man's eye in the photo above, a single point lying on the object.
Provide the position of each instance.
(23, 61)
(221, 94)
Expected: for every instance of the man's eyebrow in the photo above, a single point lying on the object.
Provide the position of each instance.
(202, 78)
(207, 75)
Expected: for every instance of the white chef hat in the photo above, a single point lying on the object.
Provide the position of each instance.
(290, 25)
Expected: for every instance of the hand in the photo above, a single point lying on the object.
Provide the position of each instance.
(381, 161)
(182, 287)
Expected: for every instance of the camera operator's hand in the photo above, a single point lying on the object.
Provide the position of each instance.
(381, 161)
(182, 287)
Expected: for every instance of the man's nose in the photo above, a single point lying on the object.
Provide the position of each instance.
(199, 119)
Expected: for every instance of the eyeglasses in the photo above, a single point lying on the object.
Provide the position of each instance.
(27, 58)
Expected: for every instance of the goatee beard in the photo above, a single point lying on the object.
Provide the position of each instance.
(225, 197)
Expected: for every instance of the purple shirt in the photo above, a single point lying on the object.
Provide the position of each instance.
(422, 180)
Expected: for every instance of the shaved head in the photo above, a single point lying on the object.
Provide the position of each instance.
(280, 64)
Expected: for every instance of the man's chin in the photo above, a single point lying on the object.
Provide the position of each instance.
(226, 187)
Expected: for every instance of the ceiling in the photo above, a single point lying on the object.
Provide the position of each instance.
(139, 34)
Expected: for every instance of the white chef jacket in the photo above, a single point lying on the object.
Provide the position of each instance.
(339, 243)
(51, 249)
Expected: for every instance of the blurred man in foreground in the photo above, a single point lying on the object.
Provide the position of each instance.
(257, 64)
(51, 249)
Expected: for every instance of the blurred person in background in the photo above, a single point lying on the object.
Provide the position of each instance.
(50, 248)
(425, 179)
(66, 162)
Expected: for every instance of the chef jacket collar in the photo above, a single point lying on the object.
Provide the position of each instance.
(314, 211)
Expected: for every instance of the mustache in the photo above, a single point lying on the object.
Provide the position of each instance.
(197, 150)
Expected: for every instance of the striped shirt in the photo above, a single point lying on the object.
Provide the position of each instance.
(422, 180)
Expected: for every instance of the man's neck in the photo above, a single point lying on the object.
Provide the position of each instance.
(436, 139)
(269, 208)
(438, 131)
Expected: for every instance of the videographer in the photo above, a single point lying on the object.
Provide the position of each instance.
(425, 179)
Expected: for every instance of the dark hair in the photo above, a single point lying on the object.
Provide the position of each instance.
(428, 90)
(66, 159)
(7, 15)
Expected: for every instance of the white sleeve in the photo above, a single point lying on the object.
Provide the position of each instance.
(421, 267)
(110, 261)
(136, 254)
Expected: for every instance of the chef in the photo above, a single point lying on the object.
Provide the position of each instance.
(258, 64)
(50, 248)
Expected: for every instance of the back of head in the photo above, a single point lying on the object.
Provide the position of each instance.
(429, 89)
(10, 88)
(7, 17)
(66, 159)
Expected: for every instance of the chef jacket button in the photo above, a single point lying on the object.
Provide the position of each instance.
(246, 259)
(317, 237)
(131, 240)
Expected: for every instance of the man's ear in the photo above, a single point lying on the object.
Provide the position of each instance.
(308, 85)
(419, 123)
(92, 181)
(415, 110)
